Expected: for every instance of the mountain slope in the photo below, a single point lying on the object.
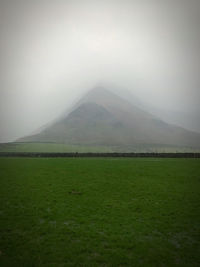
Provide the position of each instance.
(103, 118)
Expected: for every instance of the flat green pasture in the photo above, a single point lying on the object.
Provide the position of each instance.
(51, 147)
(56, 147)
(99, 212)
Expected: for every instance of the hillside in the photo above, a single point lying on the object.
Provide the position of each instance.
(103, 118)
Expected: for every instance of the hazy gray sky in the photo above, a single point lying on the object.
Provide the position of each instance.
(54, 51)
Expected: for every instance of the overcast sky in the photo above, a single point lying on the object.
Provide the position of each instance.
(54, 51)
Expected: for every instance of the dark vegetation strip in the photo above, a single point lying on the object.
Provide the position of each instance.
(79, 155)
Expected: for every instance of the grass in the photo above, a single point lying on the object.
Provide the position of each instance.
(50, 147)
(55, 147)
(99, 212)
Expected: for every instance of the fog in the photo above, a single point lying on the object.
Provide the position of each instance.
(52, 52)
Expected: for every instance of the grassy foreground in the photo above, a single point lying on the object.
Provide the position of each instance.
(99, 212)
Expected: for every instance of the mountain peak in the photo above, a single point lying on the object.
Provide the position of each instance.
(100, 95)
(99, 90)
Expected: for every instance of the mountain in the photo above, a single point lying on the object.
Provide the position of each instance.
(103, 118)
(185, 119)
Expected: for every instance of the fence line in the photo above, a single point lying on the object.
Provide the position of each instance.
(113, 154)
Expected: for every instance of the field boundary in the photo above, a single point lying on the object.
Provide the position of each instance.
(111, 154)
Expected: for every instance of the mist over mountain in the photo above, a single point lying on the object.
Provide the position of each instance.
(189, 120)
(52, 52)
(102, 117)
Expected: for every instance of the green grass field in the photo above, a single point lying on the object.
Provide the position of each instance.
(50, 147)
(99, 212)
(55, 147)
